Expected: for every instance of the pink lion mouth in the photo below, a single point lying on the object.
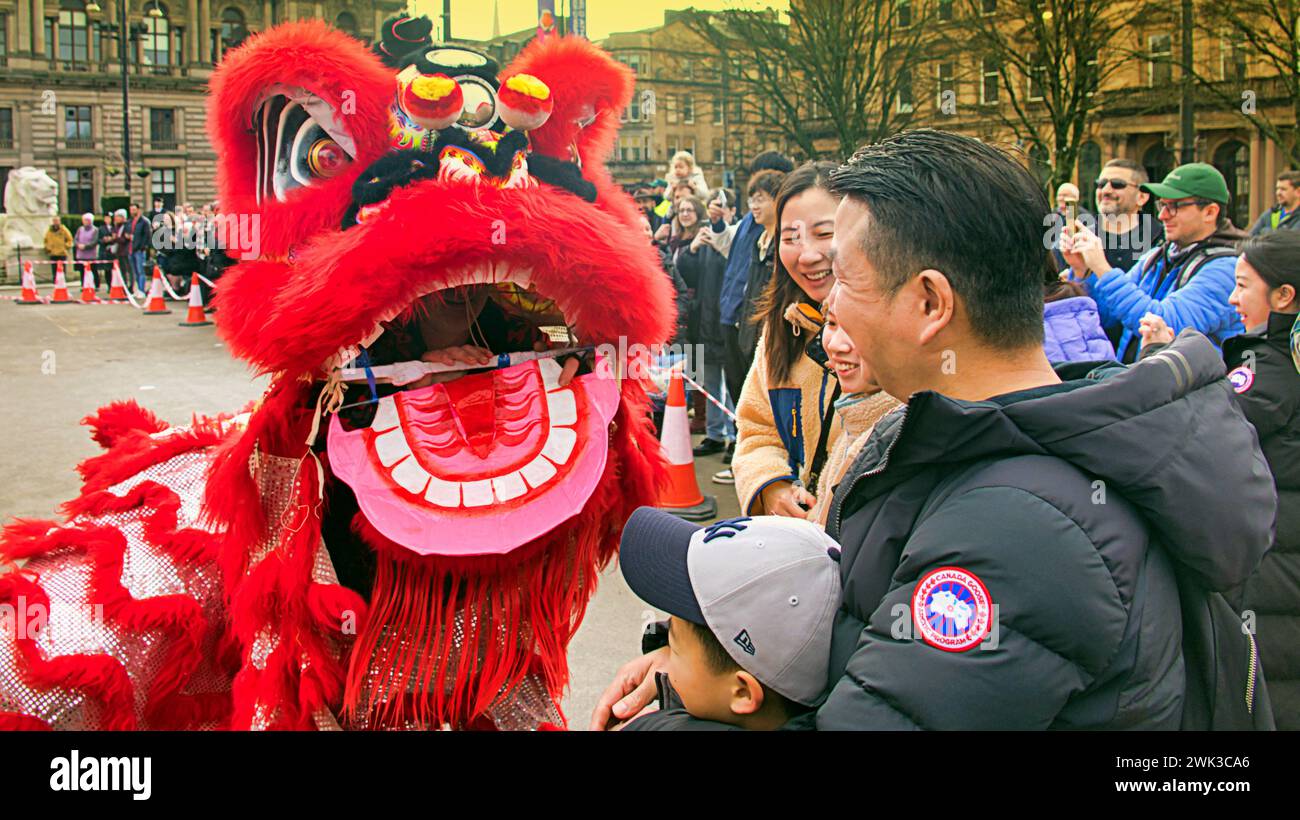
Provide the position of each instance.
(480, 465)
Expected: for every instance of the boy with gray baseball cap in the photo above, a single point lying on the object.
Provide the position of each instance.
(752, 602)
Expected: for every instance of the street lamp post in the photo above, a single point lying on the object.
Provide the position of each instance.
(123, 33)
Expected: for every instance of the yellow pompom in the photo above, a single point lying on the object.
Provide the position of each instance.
(432, 88)
(529, 85)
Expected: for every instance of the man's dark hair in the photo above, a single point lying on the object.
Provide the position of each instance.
(771, 161)
(1139, 173)
(1292, 177)
(952, 203)
(768, 182)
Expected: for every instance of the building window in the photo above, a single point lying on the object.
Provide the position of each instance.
(81, 190)
(904, 14)
(634, 107)
(718, 110)
(162, 128)
(1232, 57)
(717, 152)
(670, 108)
(1037, 82)
(162, 181)
(4, 39)
(905, 100)
(632, 61)
(1094, 72)
(649, 154)
(689, 69)
(945, 11)
(947, 83)
(73, 35)
(232, 32)
(1160, 69)
(346, 22)
(989, 81)
(1232, 158)
(156, 40)
(6, 128)
(688, 109)
(76, 127)
(738, 111)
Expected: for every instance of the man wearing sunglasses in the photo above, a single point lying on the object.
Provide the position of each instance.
(1126, 233)
(1185, 280)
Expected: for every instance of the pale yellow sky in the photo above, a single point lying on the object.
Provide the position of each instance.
(472, 19)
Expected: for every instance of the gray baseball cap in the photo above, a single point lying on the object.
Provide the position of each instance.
(767, 587)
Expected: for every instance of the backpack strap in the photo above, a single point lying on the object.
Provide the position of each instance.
(1199, 259)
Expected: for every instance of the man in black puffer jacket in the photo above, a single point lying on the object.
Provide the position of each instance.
(1011, 536)
(1016, 539)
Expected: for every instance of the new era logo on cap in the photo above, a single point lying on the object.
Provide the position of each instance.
(742, 640)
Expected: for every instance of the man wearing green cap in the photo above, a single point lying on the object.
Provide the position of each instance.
(1185, 280)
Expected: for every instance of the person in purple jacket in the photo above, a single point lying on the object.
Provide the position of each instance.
(1072, 330)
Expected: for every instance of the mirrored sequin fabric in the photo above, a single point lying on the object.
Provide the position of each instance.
(75, 626)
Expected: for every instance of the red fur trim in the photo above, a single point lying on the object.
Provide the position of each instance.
(14, 722)
(111, 422)
(179, 617)
(135, 451)
(100, 677)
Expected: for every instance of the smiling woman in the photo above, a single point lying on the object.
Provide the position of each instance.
(785, 417)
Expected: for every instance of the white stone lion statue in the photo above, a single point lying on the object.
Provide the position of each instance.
(31, 197)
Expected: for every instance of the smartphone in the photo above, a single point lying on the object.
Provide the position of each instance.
(1071, 215)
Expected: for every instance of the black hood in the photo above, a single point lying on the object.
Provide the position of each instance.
(1165, 434)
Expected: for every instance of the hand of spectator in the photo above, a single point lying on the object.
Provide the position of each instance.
(702, 237)
(631, 692)
(1154, 330)
(1084, 252)
(783, 498)
(715, 212)
(665, 230)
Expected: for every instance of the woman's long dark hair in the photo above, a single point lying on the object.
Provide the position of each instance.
(780, 345)
(1275, 257)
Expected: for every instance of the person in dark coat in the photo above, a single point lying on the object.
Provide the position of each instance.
(1015, 538)
(1267, 387)
(701, 268)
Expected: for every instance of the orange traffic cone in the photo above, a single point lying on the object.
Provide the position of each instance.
(29, 296)
(117, 290)
(195, 316)
(682, 496)
(156, 306)
(60, 296)
(88, 287)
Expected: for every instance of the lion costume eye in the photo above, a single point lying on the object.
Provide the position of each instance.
(299, 143)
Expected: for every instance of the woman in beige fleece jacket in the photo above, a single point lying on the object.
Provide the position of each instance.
(787, 396)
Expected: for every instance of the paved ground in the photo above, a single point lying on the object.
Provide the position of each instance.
(62, 362)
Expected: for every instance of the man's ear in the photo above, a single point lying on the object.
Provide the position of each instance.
(746, 694)
(935, 303)
(1142, 198)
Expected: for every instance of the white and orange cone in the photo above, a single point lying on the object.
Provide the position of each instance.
(88, 287)
(29, 296)
(195, 317)
(117, 290)
(60, 296)
(156, 306)
(682, 496)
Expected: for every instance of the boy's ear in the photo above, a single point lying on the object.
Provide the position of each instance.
(746, 694)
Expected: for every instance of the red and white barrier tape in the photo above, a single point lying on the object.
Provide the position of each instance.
(716, 403)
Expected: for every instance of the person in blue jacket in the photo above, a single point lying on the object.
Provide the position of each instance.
(1185, 280)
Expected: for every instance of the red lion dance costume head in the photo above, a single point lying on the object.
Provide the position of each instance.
(353, 553)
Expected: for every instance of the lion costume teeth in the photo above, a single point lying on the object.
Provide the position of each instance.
(418, 558)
